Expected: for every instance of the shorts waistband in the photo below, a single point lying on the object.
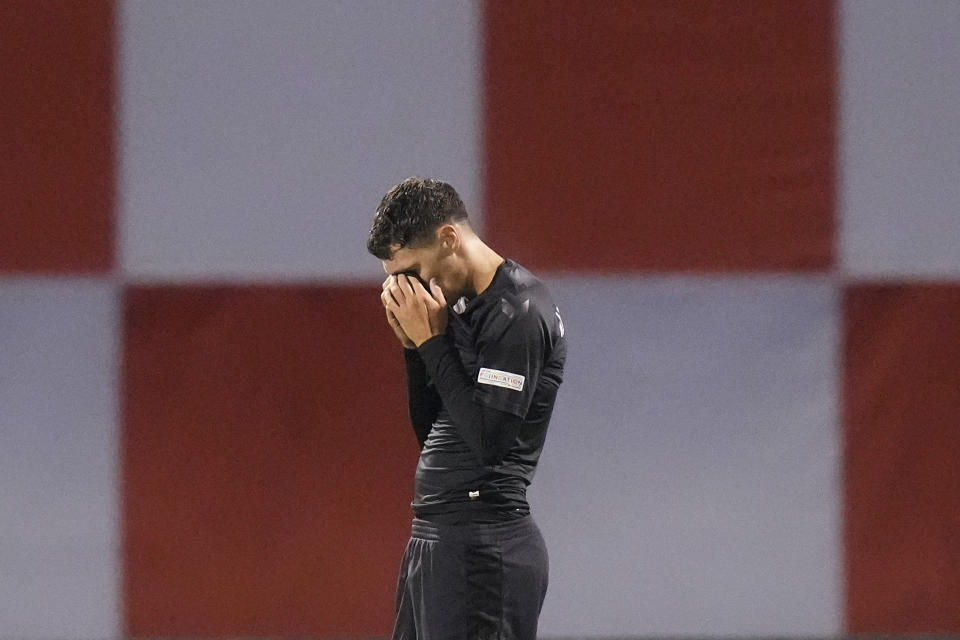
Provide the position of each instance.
(481, 533)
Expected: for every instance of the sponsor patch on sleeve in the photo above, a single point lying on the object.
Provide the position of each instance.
(500, 379)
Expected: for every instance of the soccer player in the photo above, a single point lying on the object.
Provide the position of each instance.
(484, 349)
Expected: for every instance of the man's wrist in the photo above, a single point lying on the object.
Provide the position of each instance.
(426, 340)
(432, 348)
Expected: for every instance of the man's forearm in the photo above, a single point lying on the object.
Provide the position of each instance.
(423, 402)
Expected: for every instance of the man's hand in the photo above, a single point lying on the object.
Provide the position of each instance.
(392, 319)
(421, 315)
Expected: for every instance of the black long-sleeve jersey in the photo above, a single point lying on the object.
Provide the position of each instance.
(481, 396)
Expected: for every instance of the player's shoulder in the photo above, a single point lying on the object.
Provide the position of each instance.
(521, 299)
(525, 291)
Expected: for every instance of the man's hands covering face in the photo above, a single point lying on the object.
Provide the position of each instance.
(392, 319)
(415, 314)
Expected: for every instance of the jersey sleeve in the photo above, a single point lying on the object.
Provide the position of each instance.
(423, 401)
(487, 431)
(511, 350)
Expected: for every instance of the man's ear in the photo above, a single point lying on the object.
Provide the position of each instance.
(449, 237)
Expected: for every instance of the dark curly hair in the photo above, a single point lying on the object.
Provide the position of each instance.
(409, 214)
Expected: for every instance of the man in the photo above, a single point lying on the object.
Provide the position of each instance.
(482, 377)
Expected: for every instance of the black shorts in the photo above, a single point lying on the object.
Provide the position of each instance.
(472, 582)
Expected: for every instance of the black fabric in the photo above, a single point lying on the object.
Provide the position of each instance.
(423, 400)
(489, 432)
(482, 582)
(496, 371)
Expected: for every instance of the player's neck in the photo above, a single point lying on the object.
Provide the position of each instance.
(483, 262)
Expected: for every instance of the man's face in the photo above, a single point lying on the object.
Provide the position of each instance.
(424, 263)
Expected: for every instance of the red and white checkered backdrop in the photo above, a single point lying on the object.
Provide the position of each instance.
(749, 213)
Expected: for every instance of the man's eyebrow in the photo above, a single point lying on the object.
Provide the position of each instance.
(408, 271)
